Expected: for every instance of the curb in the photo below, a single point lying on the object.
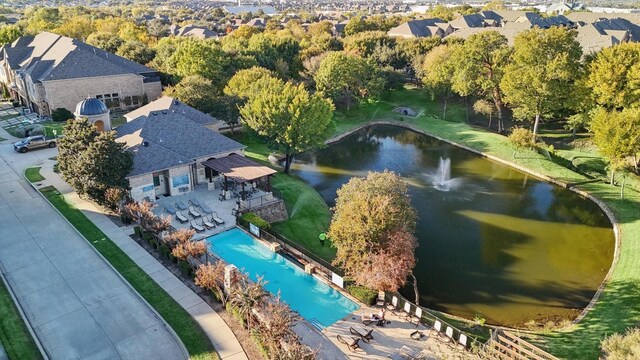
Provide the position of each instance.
(164, 322)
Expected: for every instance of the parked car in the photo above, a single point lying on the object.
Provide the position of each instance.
(34, 142)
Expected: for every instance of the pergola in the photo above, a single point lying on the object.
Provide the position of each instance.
(239, 169)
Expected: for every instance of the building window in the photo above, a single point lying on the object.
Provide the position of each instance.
(156, 180)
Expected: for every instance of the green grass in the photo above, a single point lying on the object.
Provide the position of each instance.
(33, 174)
(49, 128)
(193, 337)
(117, 121)
(14, 336)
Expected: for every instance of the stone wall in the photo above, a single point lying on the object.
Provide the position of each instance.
(272, 212)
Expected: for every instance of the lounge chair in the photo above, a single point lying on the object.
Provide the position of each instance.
(353, 345)
(393, 306)
(418, 335)
(381, 300)
(369, 320)
(363, 333)
(194, 212)
(409, 353)
(170, 209)
(180, 217)
(216, 218)
(180, 205)
(196, 227)
(208, 224)
(205, 209)
(195, 202)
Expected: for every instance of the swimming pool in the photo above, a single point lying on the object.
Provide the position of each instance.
(311, 298)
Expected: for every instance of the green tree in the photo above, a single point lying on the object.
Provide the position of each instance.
(42, 19)
(137, 51)
(77, 27)
(364, 43)
(372, 230)
(289, 118)
(346, 79)
(91, 161)
(200, 57)
(195, 91)
(61, 114)
(227, 109)
(268, 50)
(479, 67)
(622, 346)
(614, 76)
(243, 83)
(485, 108)
(438, 71)
(539, 79)
(616, 133)
(9, 33)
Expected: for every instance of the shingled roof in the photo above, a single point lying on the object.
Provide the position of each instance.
(48, 56)
(162, 141)
(167, 104)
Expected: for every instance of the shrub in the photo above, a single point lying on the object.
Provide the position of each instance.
(521, 138)
(164, 250)
(622, 346)
(254, 219)
(29, 130)
(185, 267)
(15, 104)
(112, 197)
(235, 312)
(138, 231)
(362, 293)
(61, 115)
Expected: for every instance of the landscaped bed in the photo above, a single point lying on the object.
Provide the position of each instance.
(187, 329)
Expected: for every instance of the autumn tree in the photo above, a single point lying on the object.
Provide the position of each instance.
(617, 135)
(9, 33)
(614, 76)
(372, 229)
(347, 79)
(183, 245)
(77, 27)
(105, 41)
(290, 118)
(137, 51)
(479, 67)
(539, 79)
(437, 72)
(247, 296)
(92, 161)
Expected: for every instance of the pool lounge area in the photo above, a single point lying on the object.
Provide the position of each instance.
(315, 301)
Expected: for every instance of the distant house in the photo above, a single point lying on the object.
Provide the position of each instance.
(193, 31)
(257, 22)
(421, 28)
(535, 20)
(49, 71)
(607, 32)
(167, 104)
(236, 10)
(479, 20)
(562, 8)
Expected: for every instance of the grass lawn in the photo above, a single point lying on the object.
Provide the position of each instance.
(193, 337)
(117, 121)
(49, 126)
(33, 174)
(14, 336)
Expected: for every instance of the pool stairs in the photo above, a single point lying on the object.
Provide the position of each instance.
(316, 324)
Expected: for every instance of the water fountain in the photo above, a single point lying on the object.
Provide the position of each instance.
(441, 177)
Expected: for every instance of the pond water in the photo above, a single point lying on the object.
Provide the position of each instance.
(493, 240)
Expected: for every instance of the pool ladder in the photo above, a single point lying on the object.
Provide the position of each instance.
(316, 324)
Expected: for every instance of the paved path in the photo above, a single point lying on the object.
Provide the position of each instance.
(221, 336)
(78, 306)
(3, 354)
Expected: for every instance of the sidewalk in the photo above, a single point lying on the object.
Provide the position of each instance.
(216, 329)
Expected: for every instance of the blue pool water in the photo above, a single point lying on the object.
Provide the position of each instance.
(310, 297)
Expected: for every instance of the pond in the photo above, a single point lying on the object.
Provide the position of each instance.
(493, 240)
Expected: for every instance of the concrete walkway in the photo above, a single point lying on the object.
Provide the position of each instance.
(216, 329)
(77, 305)
(3, 354)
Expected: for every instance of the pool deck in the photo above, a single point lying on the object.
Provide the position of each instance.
(390, 338)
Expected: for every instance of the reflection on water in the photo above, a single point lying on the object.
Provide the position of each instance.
(502, 244)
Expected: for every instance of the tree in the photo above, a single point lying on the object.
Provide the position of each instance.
(9, 33)
(137, 51)
(77, 27)
(539, 79)
(200, 57)
(290, 118)
(227, 109)
(622, 346)
(105, 41)
(485, 108)
(614, 76)
(479, 68)
(42, 19)
(61, 114)
(211, 277)
(494, 5)
(92, 161)
(243, 83)
(347, 79)
(437, 73)
(248, 296)
(617, 135)
(372, 229)
(195, 91)
(363, 44)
